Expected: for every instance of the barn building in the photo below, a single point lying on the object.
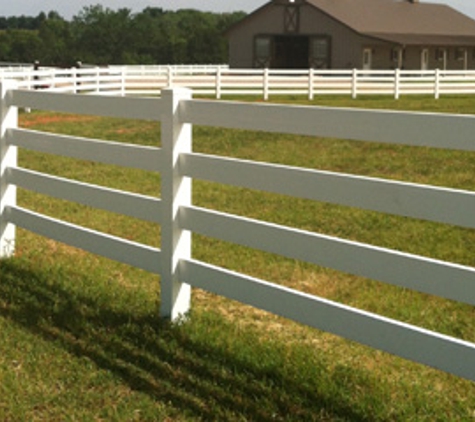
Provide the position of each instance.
(347, 34)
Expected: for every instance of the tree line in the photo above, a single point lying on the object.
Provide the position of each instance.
(100, 36)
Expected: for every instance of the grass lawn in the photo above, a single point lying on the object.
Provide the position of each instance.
(81, 339)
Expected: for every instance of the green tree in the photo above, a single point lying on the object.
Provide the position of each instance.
(102, 35)
(20, 45)
(149, 44)
(99, 35)
(57, 47)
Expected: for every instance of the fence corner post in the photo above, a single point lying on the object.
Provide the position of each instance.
(175, 192)
(8, 158)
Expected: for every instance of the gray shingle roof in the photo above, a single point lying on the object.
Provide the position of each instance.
(401, 21)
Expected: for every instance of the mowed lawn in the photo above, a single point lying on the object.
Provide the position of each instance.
(80, 336)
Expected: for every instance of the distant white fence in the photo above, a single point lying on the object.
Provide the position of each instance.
(219, 81)
(178, 217)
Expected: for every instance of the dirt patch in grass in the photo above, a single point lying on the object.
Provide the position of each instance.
(46, 119)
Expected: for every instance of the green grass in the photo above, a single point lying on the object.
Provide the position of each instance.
(81, 338)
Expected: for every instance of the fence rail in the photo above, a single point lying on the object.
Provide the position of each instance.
(178, 217)
(219, 81)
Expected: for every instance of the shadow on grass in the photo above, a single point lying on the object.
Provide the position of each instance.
(195, 367)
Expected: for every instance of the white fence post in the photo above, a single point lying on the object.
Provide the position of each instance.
(266, 84)
(8, 158)
(169, 76)
(74, 76)
(354, 84)
(28, 79)
(122, 81)
(98, 81)
(176, 191)
(52, 78)
(218, 83)
(437, 84)
(310, 84)
(397, 83)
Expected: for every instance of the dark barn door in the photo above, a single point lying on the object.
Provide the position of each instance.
(291, 52)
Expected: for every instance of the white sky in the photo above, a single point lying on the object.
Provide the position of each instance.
(67, 8)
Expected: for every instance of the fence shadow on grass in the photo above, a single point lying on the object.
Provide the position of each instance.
(171, 364)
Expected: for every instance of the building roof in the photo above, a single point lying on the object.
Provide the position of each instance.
(402, 21)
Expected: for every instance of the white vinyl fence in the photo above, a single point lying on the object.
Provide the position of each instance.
(178, 217)
(219, 81)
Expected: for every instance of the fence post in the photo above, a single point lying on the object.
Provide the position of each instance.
(437, 84)
(123, 71)
(169, 76)
(8, 158)
(354, 84)
(176, 192)
(266, 84)
(397, 83)
(98, 77)
(218, 83)
(52, 77)
(310, 84)
(74, 75)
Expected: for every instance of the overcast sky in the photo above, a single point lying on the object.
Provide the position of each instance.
(68, 8)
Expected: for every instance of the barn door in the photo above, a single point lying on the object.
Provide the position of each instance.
(291, 52)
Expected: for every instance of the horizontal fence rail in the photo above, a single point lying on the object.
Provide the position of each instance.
(392, 336)
(130, 204)
(220, 80)
(98, 105)
(401, 269)
(431, 203)
(403, 128)
(174, 211)
(119, 154)
(122, 250)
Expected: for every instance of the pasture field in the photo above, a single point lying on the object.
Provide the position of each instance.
(80, 336)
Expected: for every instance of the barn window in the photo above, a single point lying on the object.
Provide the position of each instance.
(367, 58)
(441, 54)
(320, 52)
(460, 54)
(262, 51)
(398, 56)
